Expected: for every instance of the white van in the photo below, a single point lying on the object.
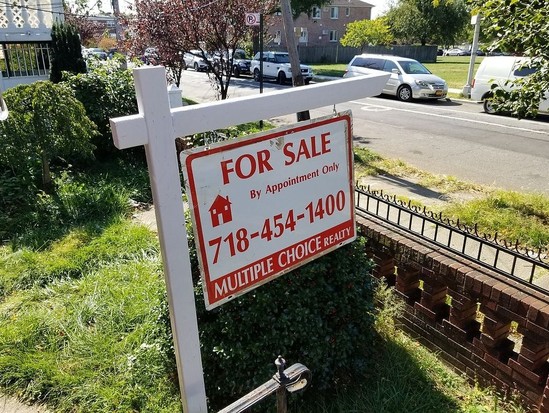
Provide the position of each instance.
(497, 70)
(409, 78)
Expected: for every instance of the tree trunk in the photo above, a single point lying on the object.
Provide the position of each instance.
(297, 77)
(46, 174)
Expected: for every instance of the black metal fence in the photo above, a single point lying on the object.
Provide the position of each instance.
(510, 259)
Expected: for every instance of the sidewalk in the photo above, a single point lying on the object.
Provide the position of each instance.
(10, 405)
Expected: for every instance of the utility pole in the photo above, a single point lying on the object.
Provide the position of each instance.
(117, 28)
(297, 77)
(475, 20)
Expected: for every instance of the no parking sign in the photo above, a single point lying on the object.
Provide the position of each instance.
(252, 19)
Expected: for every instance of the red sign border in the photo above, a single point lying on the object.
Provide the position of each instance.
(188, 156)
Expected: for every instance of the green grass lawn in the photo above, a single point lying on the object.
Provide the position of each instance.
(453, 69)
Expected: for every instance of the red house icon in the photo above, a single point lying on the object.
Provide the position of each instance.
(220, 211)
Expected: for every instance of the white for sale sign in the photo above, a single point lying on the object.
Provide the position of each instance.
(266, 204)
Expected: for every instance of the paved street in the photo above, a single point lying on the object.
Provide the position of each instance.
(444, 137)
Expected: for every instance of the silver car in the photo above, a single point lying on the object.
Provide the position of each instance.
(195, 59)
(409, 78)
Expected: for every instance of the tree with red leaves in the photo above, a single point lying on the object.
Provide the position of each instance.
(177, 26)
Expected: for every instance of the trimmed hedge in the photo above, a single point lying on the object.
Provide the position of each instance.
(320, 315)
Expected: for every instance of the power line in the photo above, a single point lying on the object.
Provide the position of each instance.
(13, 5)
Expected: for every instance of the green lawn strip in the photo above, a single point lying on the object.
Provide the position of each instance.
(514, 216)
(93, 343)
(453, 69)
(407, 377)
(72, 256)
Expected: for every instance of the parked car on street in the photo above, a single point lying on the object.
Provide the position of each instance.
(456, 52)
(500, 71)
(276, 65)
(240, 64)
(196, 60)
(409, 78)
(150, 56)
(96, 52)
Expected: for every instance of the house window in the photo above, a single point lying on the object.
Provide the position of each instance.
(334, 12)
(303, 35)
(347, 11)
(277, 38)
(333, 35)
(316, 12)
(25, 59)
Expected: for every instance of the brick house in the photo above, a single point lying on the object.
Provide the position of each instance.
(25, 36)
(325, 26)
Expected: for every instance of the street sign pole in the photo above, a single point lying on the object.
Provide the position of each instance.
(261, 53)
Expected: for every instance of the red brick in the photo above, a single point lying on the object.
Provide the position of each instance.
(495, 328)
(464, 313)
(536, 378)
(421, 310)
(531, 363)
(406, 287)
(496, 291)
(487, 306)
(505, 296)
(498, 364)
(524, 305)
(534, 343)
(516, 298)
(487, 287)
(509, 315)
(432, 298)
(536, 329)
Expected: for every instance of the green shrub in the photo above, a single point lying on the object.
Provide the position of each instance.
(93, 197)
(106, 91)
(319, 315)
(46, 124)
(66, 51)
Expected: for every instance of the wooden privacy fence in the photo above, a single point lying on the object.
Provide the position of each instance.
(494, 329)
(339, 54)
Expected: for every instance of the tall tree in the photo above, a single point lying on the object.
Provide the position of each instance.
(519, 27)
(176, 26)
(306, 6)
(363, 33)
(428, 21)
(66, 51)
(87, 29)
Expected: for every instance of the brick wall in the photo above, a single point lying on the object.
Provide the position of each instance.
(490, 327)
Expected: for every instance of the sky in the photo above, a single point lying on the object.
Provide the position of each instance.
(381, 7)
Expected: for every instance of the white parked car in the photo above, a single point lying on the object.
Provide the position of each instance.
(456, 52)
(276, 65)
(195, 59)
(409, 78)
(500, 71)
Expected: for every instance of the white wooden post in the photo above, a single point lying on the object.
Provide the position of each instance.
(156, 126)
